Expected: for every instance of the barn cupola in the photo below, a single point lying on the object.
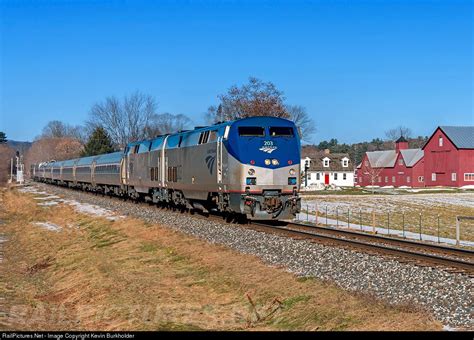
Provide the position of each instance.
(401, 144)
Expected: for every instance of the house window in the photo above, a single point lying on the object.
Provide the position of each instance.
(345, 163)
(408, 179)
(326, 163)
(393, 179)
(469, 177)
(440, 141)
(386, 179)
(335, 176)
(433, 177)
(318, 176)
(453, 176)
(421, 179)
(344, 177)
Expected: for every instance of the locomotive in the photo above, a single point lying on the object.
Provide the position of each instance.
(248, 167)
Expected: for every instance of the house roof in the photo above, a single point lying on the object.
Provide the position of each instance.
(461, 136)
(335, 162)
(387, 158)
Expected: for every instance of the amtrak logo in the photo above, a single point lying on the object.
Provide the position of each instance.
(210, 162)
(268, 147)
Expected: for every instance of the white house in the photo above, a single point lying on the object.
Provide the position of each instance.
(334, 170)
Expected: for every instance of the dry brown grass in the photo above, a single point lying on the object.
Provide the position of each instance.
(128, 275)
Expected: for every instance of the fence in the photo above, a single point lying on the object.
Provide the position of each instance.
(414, 224)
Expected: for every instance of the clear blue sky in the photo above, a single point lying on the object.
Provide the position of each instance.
(359, 67)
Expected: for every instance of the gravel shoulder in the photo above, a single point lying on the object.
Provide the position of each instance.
(448, 296)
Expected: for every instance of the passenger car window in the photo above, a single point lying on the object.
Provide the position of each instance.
(251, 131)
(281, 131)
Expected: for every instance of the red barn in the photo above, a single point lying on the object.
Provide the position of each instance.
(449, 157)
(399, 167)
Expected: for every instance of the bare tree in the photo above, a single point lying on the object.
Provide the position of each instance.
(253, 99)
(302, 120)
(6, 154)
(395, 133)
(47, 149)
(58, 129)
(124, 121)
(166, 123)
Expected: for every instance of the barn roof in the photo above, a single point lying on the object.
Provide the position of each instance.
(387, 158)
(412, 156)
(382, 159)
(461, 136)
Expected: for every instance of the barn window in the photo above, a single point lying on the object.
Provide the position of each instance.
(433, 177)
(421, 179)
(469, 177)
(393, 179)
(440, 141)
(408, 179)
(453, 176)
(400, 161)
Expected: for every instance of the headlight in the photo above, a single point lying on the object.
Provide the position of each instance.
(251, 172)
(292, 172)
(268, 162)
(275, 162)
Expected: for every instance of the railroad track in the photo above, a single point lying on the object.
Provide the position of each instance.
(452, 259)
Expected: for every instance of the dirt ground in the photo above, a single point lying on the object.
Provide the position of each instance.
(82, 272)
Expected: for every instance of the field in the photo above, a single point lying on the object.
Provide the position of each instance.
(65, 267)
(399, 211)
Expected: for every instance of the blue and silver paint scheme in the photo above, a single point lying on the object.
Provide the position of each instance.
(249, 166)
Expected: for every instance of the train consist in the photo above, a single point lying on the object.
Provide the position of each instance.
(247, 167)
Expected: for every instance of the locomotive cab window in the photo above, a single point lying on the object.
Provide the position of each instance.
(251, 131)
(281, 131)
(212, 136)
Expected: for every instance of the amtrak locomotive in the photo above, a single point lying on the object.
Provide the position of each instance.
(249, 166)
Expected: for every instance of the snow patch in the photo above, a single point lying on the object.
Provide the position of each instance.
(49, 226)
(46, 198)
(92, 210)
(48, 203)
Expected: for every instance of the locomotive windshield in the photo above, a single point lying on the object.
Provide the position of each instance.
(251, 131)
(281, 131)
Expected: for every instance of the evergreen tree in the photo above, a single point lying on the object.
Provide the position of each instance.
(3, 137)
(98, 143)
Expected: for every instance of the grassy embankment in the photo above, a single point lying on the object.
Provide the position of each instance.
(97, 274)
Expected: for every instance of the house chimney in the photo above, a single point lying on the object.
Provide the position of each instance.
(401, 144)
(327, 151)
